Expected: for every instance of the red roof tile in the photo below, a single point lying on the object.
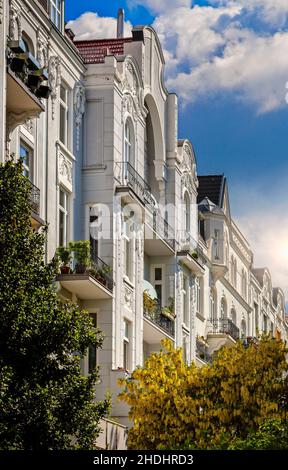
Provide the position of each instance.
(95, 51)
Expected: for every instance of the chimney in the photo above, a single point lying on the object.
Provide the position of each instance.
(120, 23)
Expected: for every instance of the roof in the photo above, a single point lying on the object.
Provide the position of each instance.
(211, 187)
(95, 51)
(259, 274)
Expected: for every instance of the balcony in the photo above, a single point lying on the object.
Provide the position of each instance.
(132, 186)
(157, 324)
(202, 353)
(223, 332)
(92, 281)
(34, 201)
(27, 84)
(159, 235)
(191, 254)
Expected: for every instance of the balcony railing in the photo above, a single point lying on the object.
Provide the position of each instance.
(34, 199)
(160, 320)
(202, 352)
(188, 243)
(226, 326)
(128, 176)
(44, 4)
(101, 271)
(161, 227)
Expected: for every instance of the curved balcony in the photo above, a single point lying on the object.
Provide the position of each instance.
(157, 326)
(222, 332)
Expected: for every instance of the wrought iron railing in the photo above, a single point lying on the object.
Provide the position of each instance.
(188, 243)
(202, 352)
(225, 325)
(161, 227)
(127, 175)
(34, 199)
(160, 320)
(101, 271)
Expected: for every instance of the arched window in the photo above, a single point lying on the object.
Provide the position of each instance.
(244, 284)
(199, 286)
(213, 305)
(243, 329)
(223, 309)
(233, 316)
(129, 143)
(187, 210)
(29, 46)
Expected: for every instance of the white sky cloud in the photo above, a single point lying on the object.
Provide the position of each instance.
(265, 224)
(91, 26)
(160, 6)
(212, 51)
(271, 11)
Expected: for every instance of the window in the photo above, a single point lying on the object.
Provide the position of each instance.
(233, 316)
(199, 287)
(185, 293)
(187, 212)
(256, 319)
(213, 305)
(243, 329)
(92, 352)
(234, 272)
(93, 231)
(26, 154)
(63, 131)
(244, 284)
(126, 346)
(265, 324)
(129, 143)
(185, 349)
(216, 244)
(127, 248)
(158, 284)
(63, 217)
(55, 12)
(223, 309)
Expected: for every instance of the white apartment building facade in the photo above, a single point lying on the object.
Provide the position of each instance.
(101, 146)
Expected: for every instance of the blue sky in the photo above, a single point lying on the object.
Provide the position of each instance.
(228, 62)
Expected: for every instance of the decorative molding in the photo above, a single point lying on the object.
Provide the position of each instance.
(128, 297)
(241, 248)
(1, 11)
(14, 22)
(42, 50)
(79, 109)
(133, 98)
(54, 73)
(29, 125)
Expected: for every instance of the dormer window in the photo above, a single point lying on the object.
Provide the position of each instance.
(56, 13)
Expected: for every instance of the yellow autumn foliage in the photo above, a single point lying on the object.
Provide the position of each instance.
(174, 405)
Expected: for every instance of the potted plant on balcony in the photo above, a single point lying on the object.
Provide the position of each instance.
(65, 256)
(194, 254)
(169, 311)
(81, 250)
(149, 304)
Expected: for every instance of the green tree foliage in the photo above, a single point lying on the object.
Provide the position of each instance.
(272, 434)
(174, 405)
(45, 402)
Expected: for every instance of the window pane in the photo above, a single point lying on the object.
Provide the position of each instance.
(63, 95)
(158, 274)
(62, 199)
(158, 289)
(63, 125)
(92, 353)
(62, 241)
(126, 329)
(126, 355)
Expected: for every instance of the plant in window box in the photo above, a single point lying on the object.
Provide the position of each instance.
(149, 304)
(169, 311)
(65, 257)
(194, 254)
(81, 250)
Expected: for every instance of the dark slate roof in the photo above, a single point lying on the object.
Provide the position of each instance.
(211, 187)
(95, 51)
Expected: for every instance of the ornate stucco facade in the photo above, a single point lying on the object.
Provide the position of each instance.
(103, 151)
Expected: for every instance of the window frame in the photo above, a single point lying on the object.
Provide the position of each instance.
(57, 21)
(185, 301)
(63, 210)
(64, 105)
(93, 347)
(129, 142)
(30, 151)
(126, 345)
